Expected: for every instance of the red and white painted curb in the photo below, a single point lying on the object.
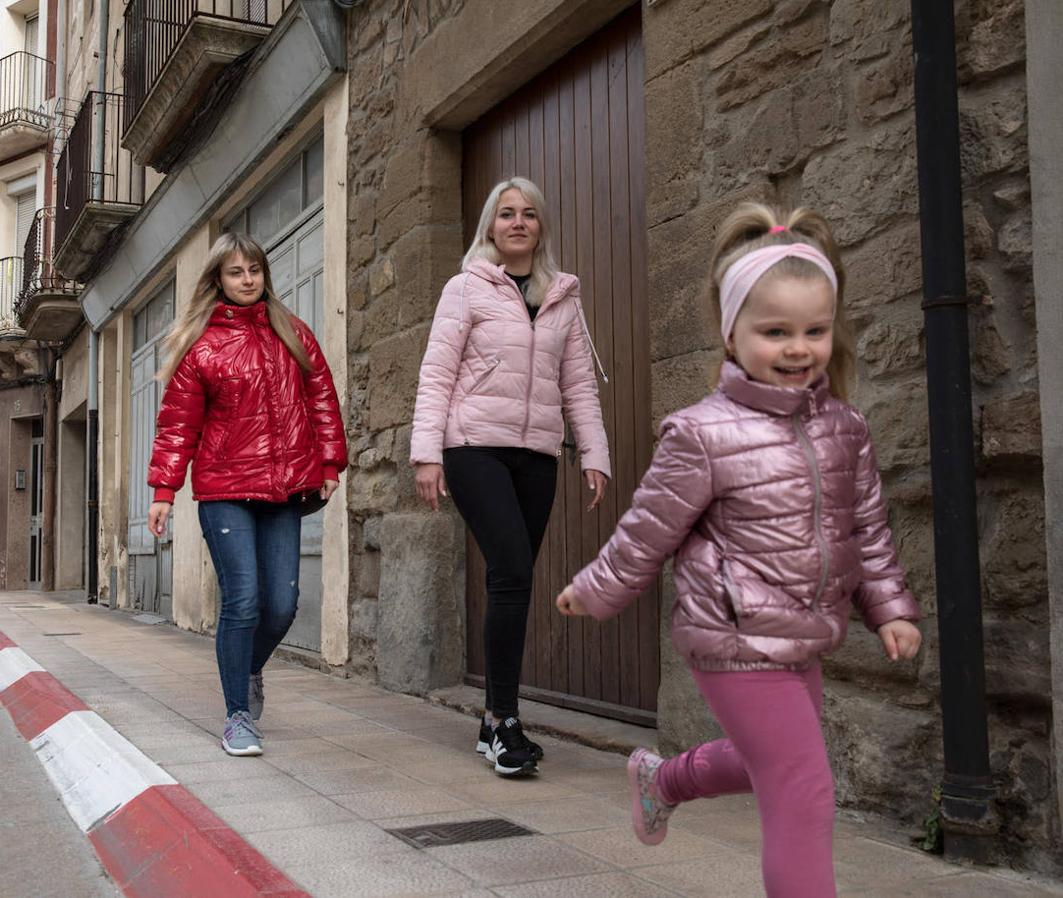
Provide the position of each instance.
(154, 837)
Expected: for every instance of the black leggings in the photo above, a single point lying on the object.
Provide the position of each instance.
(505, 496)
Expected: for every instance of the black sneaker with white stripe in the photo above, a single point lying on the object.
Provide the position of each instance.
(509, 751)
(483, 741)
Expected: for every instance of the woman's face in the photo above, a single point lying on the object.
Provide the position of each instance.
(242, 281)
(515, 231)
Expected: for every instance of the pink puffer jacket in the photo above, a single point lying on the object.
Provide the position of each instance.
(771, 499)
(492, 377)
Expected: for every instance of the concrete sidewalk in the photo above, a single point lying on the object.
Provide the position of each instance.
(345, 761)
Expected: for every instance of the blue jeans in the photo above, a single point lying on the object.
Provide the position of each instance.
(255, 549)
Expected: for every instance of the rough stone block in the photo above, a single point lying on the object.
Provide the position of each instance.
(885, 757)
(884, 89)
(995, 42)
(861, 186)
(1012, 545)
(883, 268)
(867, 25)
(991, 356)
(420, 636)
(394, 366)
(681, 28)
(1011, 428)
(897, 415)
(675, 121)
(682, 380)
(893, 345)
(993, 131)
(372, 492)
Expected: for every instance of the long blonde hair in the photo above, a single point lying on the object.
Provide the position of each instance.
(544, 266)
(189, 326)
(748, 228)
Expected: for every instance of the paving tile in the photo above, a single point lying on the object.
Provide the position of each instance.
(318, 762)
(519, 859)
(969, 885)
(564, 815)
(242, 791)
(887, 866)
(290, 813)
(226, 769)
(391, 803)
(406, 873)
(730, 874)
(324, 844)
(618, 846)
(494, 789)
(362, 779)
(599, 885)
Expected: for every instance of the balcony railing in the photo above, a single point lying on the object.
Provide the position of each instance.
(87, 177)
(38, 271)
(10, 284)
(24, 88)
(154, 28)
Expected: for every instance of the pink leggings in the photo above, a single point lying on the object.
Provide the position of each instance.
(776, 751)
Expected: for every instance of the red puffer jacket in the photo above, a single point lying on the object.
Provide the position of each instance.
(253, 424)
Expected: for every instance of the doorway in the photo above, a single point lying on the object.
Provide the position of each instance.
(577, 131)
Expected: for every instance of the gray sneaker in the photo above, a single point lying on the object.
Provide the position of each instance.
(241, 735)
(256, 695)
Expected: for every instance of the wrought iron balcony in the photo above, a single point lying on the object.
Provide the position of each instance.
(10, 284)
(98, 186)
(25, 84)
(174, 50)
(47, 306)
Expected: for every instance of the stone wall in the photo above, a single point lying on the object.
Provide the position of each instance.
(802, 101)
(810, 102)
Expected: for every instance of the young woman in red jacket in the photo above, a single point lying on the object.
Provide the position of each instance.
(250, 401)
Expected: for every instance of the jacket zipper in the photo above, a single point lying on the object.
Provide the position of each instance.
(817, 507)
(531, 380)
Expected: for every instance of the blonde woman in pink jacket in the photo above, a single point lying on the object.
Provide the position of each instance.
(768, 494)
(509, 361)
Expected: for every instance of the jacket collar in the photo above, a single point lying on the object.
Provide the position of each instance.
(232, 315)
(783, 401)
(563, 284)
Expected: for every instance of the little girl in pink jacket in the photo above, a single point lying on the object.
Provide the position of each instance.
(768, 493)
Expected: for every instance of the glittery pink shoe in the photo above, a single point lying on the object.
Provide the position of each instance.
(649, 813)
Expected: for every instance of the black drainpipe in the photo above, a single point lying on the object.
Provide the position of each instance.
(967, 792)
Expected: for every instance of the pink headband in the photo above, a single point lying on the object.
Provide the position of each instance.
(739, 279)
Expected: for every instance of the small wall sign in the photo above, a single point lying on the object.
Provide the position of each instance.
(20, 478)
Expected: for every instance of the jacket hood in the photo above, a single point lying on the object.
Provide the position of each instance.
(782, 401)
(563, 284)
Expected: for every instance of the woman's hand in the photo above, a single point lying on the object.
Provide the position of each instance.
(430, 483)
(329, 487)
(568, 604)
(596, 482)
(157, 515)
(900, 639)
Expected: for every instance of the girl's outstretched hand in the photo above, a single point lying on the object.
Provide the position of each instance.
(900, 639)
(568, 604)
(430, 483)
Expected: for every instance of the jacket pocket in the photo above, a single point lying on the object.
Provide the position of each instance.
(762, 609)
(476, 385)
(230, 390)
(483, 378)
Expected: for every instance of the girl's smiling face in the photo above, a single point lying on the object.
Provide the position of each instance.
(784, 333)
(242, 281)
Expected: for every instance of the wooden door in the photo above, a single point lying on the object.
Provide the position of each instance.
(577, 131)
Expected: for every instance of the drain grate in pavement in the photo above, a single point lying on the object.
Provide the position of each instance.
(435, 835)
(62, 634)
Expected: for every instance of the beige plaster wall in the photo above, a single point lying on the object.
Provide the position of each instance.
(335, 560)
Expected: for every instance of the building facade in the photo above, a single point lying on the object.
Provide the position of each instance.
(645, 124)
(358, 146)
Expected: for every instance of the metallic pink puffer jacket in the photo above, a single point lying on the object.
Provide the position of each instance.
(771, 500)
(492, 377)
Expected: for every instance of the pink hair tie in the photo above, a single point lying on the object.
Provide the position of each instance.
(778, 229)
